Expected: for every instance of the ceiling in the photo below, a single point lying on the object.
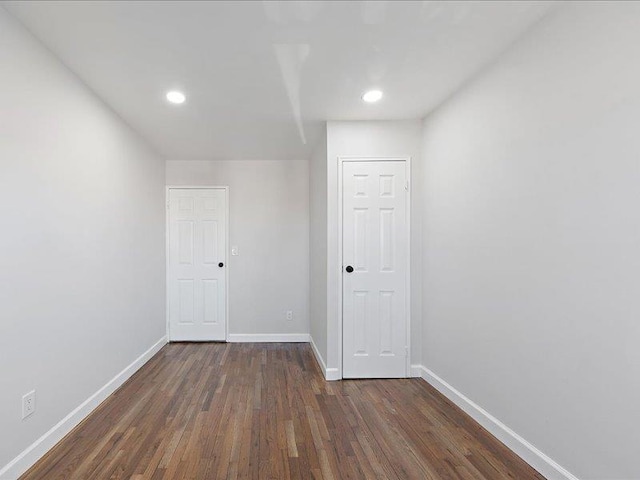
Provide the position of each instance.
(261, 77)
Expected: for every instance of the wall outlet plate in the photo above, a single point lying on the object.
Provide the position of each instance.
(28, 404)
(289, 315)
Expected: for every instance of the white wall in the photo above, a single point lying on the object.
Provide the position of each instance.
(370, 139)
(81, 242)
(532, 239)
(269, 222)
(318, 246)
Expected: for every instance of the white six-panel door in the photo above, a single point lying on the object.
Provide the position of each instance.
(375, 247)
(196, 276)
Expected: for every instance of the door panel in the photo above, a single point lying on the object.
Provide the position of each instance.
(375, 233)
(196, 282)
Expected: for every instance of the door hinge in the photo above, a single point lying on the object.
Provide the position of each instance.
(406, 186)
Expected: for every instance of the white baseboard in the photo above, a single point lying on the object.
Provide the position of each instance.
(316, 353)
(330, 374)
(268, 338)
(37, 449)
(525, 450)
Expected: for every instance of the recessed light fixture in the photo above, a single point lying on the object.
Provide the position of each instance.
(372, 96)
(176, 97)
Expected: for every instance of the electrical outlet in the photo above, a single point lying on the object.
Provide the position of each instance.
(234, 250)
(289, 315)
(28, 404)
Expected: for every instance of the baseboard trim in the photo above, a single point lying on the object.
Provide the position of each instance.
(37, 449)
(525, 450)
(330, 374)
(268, 338)
(316, 353)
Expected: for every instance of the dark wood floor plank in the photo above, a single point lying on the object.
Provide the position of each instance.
(263, 411)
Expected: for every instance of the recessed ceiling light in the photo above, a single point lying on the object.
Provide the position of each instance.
(175, 96)
(372, 96)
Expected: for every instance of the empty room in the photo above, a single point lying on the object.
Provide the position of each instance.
(319, 240)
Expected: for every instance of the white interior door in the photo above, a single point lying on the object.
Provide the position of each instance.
(375, 229)
(196, 275)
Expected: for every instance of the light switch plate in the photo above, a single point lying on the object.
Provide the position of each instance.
(234, 250)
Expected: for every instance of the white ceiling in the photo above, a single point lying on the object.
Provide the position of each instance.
(260, 77)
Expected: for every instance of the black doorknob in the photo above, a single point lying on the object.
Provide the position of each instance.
(221, 264)
(349, 269)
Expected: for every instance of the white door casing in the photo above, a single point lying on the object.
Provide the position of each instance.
(375, 232)
(197, 264)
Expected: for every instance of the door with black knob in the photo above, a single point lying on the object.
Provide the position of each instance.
(375, 231)
(196, 277)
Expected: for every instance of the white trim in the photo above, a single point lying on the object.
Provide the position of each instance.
(416, 371)
(521, 447)
(316, 353)
(330, 374)
(37, 449)
(341, 160)
(268, 337)
(226, 253)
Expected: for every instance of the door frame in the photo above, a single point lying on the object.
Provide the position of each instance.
(407, 162)
(168, 189)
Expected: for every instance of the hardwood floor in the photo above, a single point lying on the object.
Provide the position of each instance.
(216, 411)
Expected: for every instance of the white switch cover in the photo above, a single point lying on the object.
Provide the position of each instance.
(28, 403)
(234, 250)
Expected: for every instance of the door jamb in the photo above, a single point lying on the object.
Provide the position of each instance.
(168, 188)
(341, 161)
